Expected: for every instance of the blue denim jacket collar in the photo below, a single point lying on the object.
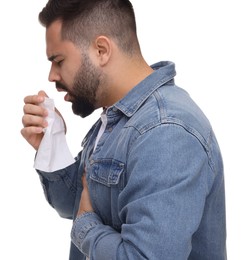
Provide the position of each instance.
(164, 71)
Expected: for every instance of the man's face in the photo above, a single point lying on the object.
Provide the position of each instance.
(82, 92)
(72, 71)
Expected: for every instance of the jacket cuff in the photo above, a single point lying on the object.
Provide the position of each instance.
(82, 225)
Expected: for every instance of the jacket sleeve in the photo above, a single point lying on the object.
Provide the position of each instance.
(168, 178)
(60, 188)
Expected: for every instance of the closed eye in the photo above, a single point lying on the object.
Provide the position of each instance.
(59, 62)
(57, 59)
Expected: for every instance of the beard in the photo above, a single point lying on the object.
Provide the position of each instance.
(84, 88)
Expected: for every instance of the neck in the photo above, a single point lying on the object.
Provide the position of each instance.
(124, 76)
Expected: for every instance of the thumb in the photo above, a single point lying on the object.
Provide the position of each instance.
(42, 93)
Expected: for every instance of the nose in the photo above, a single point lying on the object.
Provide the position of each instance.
(53, 74)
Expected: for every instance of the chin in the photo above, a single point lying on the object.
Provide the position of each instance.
(82, 112)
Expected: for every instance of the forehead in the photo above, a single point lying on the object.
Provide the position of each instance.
(53, 36)
(54, 43)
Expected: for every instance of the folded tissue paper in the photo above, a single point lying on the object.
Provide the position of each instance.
(53, 153)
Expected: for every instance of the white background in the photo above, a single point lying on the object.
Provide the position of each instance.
(206, 40)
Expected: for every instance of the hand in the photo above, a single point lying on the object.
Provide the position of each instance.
(34, 119)
(85, 201)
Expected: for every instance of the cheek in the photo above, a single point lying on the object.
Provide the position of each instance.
(68, 75)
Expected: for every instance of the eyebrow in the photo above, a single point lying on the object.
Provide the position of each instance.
(53, 57)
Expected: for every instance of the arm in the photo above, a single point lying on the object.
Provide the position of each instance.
(60, 188)
(161, 206)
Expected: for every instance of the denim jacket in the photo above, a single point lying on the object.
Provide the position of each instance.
(155, 180)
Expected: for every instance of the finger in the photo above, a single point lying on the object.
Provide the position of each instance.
(42, 93)
(84, 182)
(31, 130)
(33, 109)
(34, 99)
(31, 120)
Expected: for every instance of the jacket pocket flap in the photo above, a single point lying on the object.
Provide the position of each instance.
(106, 171)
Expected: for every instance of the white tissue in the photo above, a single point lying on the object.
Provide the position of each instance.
(53, 153)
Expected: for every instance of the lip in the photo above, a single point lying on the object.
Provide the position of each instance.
(60, 90)
(67, 97)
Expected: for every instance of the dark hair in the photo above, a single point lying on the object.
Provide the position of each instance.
(83, 20)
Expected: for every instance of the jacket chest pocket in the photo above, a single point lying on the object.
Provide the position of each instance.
(106, 181)
(107, 172)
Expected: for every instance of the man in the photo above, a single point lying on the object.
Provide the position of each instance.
(148, 183)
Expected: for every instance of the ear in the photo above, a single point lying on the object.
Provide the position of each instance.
(103, 47)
